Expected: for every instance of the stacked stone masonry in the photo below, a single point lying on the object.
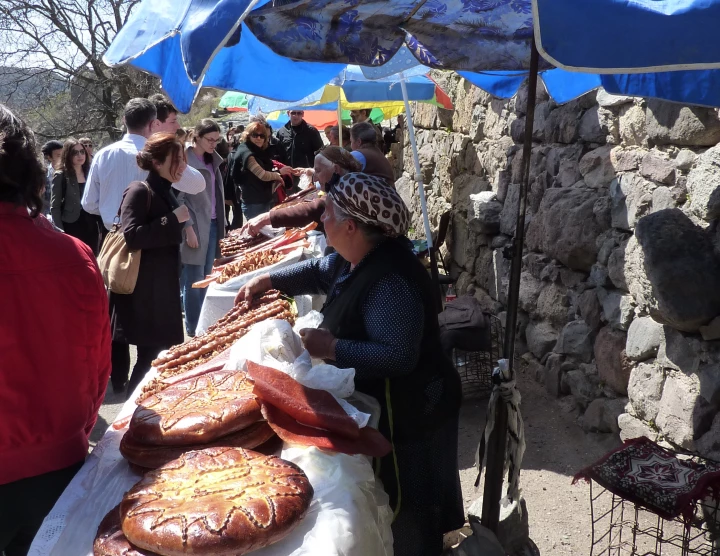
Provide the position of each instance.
(620, 290)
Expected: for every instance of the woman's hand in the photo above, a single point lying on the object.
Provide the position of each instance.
(319, 342)
(191, 238)
(309, 172)
(287, 171)
(182, 213)
(259, 284)
(253, 226)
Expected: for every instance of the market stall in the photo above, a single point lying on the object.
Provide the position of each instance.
(347, 511)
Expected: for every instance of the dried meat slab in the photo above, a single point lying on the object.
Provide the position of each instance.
(316, 408)
(217, 501)
(370, 442)
(152, 457)
(197, 410)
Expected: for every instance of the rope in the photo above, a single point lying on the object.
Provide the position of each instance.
(505, 391)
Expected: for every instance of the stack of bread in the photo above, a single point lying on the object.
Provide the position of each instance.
(217, 408)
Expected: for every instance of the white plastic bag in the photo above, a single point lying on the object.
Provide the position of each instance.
(275, 344)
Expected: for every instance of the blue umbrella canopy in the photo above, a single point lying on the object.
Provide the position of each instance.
(181, 42)
(620, 36)
(700, 87)
(194, 43)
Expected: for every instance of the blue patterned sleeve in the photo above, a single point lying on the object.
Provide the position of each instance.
(311, 277)
(393, 315)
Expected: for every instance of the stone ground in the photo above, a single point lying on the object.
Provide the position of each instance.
(556, 449)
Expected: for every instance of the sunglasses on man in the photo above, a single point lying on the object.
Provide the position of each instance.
(297, 113)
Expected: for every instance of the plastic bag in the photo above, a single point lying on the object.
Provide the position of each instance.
(275, 344)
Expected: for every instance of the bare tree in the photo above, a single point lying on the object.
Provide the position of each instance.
(51, 64)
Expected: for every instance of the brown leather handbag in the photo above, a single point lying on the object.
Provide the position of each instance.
(119, 265)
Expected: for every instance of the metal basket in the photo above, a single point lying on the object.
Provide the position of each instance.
(475, 367)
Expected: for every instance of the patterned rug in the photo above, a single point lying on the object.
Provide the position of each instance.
(653, 477)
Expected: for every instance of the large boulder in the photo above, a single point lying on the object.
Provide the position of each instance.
(563, 124)
(541, 337)
(657, 166)
(703, 185)
(613, 366)
(597, 125)
(484, 217)
(683, 414)
(602, 415)
(596, 168)
(530, 288)
(580, 387)
(632, 427)
(643, 339)
(645, 390)
(632, 125)
(668, 123)
(631, 197)
(616, 267)
(576, 341)
(618, 310)
(553, 304)
(590, 309)
(566, 227)
(673, 271)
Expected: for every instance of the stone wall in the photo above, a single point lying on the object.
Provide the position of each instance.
(620, 271)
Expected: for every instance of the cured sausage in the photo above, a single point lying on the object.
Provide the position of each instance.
(370, 442)
(316, 408)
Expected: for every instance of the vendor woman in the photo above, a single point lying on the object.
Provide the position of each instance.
(379, 318)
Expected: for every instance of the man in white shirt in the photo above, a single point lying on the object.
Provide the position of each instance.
(114, 167)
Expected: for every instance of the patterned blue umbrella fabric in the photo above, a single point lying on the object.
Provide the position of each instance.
(598, 36)
(472, 35)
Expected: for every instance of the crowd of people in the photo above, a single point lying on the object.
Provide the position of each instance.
(168, 192)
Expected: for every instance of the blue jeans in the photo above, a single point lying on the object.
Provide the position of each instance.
(255, 209)
(193, 297)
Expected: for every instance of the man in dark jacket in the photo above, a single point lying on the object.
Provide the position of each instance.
(300, 140)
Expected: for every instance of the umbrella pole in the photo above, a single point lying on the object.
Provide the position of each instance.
(495, 471)
(340, 124)
(421, 192)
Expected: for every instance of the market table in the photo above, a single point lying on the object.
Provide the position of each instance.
(349, 514)
(219, 298)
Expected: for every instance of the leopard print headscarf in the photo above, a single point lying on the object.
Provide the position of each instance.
(370, 200)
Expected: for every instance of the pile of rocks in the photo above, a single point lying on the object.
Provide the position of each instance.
(620, 289)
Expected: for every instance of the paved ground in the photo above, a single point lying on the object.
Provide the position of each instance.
(556, 449)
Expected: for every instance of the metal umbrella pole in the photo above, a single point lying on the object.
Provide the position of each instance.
(340, 124)
(496, 449)
(421, 192)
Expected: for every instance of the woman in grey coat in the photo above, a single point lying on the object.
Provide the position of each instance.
(67, 189)
(207, 220)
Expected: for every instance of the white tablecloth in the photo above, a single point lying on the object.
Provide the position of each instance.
(349, 514)
(219, 298)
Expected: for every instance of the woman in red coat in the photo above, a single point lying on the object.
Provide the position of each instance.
(54, 346)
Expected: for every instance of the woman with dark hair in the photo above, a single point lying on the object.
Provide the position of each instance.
(67, 190)
(152, 221)
(331, 163)
(252, 170)
(55, 346)
(207, 219)
(379, 319)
